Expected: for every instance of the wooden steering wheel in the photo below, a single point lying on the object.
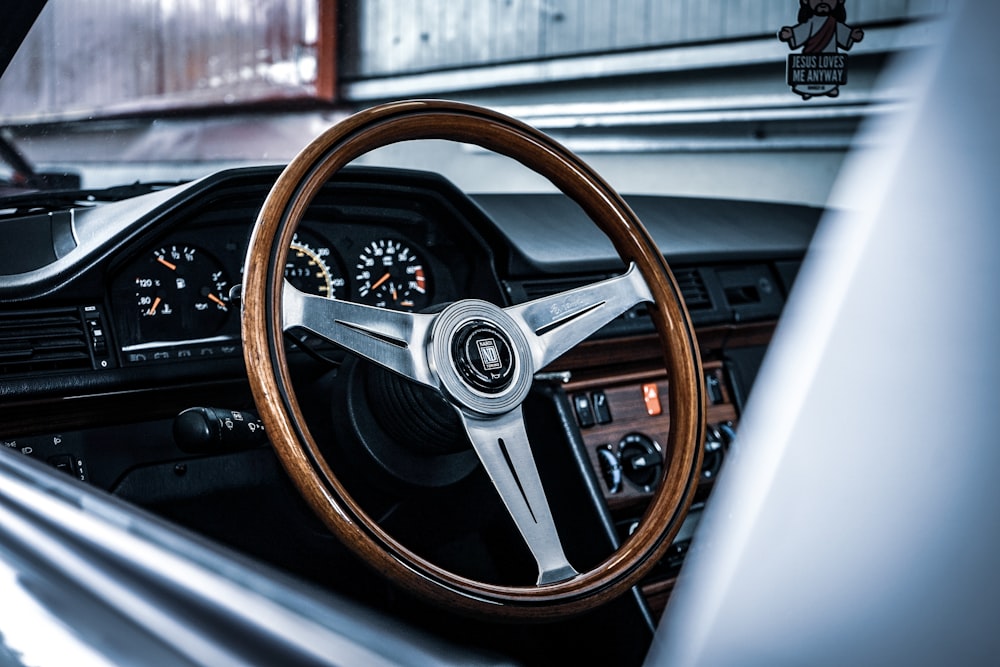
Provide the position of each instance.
(481, 357)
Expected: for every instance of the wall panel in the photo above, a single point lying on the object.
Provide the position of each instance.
(479, 32)
(178, 54)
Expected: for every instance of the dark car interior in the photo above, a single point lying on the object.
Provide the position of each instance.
(120, 375)
(124, 366)
(266, 399)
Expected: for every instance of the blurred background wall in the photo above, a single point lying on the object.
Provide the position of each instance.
(683, 96)
(678, 96)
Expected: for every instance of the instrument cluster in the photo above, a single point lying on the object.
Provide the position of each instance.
(174, 300)
(387, 272)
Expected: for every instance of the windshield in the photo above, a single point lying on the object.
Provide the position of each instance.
(682, 97)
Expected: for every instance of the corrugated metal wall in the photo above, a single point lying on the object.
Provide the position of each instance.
(193, 52)
(389, 37)
(680, 96)
(77, 61)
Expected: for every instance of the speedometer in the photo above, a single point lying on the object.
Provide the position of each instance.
(390, 274)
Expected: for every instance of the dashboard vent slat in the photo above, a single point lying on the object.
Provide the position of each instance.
(694, 284)
(693, 289)
(690, 281)
(50, 340)
(540, 288)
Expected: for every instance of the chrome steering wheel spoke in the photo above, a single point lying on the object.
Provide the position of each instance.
(392, 339)
(420, 347)
(502, 445)
(555, 324)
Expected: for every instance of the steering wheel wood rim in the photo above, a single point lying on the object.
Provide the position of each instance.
(267, 367)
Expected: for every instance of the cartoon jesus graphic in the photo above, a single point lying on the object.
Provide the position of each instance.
(821, 30)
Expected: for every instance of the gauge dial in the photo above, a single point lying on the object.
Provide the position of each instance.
(391, 275)
(182, 293)
(310, 268)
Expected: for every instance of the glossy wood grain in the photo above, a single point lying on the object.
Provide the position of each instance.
(597, 356)
(296, 447)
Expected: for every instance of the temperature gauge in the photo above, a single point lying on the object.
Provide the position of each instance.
(182, 293)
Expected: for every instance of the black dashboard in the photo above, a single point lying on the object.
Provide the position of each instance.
(128, 312)
(116, 317)
(93, 291)
(153, 280)
(176, 298)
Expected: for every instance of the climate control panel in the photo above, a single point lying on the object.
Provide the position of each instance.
(625, 420)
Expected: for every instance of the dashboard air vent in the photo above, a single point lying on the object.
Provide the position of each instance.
(537, 289)
(690, 281)
(693, 289)
(47, 340)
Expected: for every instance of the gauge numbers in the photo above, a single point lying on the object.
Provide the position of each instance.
(391, 275)
(309, 267)
(184, 290)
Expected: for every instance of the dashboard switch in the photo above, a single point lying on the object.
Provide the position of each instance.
(69, 464)
(584, 410)
(63, 463)
(97, 336)
(714, 389)
(602, 412)
(651, 397)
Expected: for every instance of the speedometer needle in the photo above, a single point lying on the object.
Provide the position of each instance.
(381, 280)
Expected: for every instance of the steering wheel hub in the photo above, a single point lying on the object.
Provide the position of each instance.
(483, 356)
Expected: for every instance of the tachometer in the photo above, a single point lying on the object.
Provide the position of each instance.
(185, 291)
(309, 267)
(391, 275)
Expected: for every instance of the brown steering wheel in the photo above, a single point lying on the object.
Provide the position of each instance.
(481, 357)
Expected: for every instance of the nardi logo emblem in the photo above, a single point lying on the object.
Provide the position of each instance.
(483, 356)
(489, 354)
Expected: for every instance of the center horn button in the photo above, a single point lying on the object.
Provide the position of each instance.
(483, 356)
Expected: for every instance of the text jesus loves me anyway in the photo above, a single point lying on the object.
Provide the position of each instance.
(817, 68)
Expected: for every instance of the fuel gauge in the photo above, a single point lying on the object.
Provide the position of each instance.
(183, 293)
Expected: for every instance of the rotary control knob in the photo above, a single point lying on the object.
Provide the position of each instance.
(641, 460)
(611, 469)
(717, 440)
(712, 458)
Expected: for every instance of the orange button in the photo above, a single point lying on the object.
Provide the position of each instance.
(651, 396)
